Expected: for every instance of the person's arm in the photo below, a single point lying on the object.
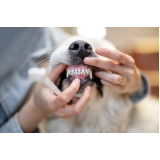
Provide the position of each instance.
(44, 101)
(29, 116)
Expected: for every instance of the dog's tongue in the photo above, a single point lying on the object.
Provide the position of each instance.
(79, 71)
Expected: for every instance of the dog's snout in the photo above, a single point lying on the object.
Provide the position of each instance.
(81, 48)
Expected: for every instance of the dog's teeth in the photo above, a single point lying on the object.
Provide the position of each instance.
(90, 74)
(69, 71)
(87, 71)
(79, 72)
(72, 71)
(83, 71)
(76, 71)
(67, 74)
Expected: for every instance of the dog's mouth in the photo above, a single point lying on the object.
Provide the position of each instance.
(79, 71)
(76, 68)
(83, 72)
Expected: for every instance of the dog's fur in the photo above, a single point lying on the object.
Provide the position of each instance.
(109, 112)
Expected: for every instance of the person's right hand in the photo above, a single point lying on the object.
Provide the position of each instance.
(46, 100)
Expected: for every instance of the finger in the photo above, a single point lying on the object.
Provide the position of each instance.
(104, 64)
(83, 101)
(68, 94)
(80, 105)
(56, 71)
(116, 55)
(66, 117)
(110, 77)
(115, 87)
(123, 70)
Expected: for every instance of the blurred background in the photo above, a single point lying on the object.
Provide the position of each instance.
(142, 43)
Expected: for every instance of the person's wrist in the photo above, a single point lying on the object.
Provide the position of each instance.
(29, 116)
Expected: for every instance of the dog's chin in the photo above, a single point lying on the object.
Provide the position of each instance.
(83, 83)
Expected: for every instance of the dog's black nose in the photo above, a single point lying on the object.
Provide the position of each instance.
(81, 48)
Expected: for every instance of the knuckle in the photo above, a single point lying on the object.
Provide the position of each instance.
(66, 117)
(121, 89)
(111, 65)
(88, 97)
(75, 87)
(131, 59)
(107, 52)
(64, 99)
(56, 113)
(130, 72)
(120, 56)
(78, 111)
(95, 61)
(117, 79)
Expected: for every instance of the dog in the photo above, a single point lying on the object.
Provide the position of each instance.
(107, 111)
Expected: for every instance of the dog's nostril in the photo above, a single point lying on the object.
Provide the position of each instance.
(88, 46)
(80, 49)
(74, 46)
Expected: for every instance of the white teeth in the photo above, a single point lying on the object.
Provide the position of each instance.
(87, 71)
(83, 71)
(79, 71)
(76, 71)
(90, 74)
(72, 71)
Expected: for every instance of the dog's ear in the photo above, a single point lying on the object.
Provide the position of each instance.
(99, 86)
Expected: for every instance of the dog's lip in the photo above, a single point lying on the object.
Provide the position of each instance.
(82, 81)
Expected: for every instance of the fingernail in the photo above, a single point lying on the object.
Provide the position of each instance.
(88, 60)
(99, 50)
(77, 80)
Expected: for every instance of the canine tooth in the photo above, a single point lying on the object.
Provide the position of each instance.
(67, 74)
(90, 74)
(69, 71)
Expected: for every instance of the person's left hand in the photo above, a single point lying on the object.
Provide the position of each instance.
(124, 76)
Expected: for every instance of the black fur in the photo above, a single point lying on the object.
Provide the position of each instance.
(99, 85)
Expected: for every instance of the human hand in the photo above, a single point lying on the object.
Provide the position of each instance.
(46, 100)
(124, 76)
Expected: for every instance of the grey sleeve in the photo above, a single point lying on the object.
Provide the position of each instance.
(143, 91)
(11, 126)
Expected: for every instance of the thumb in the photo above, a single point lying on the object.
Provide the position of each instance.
(56, 71)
